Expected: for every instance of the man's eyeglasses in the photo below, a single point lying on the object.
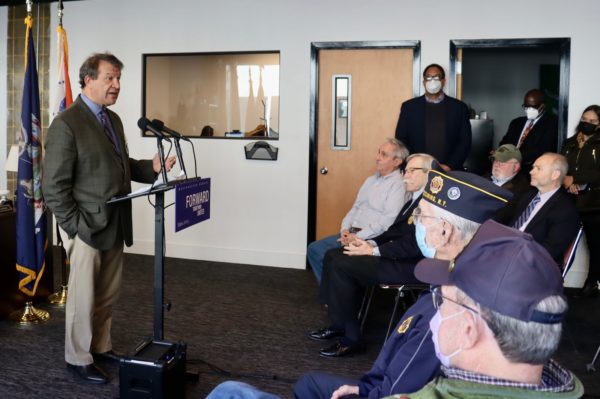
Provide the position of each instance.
(525, 106)
(438, 300)
(435, 77)
(418, 216)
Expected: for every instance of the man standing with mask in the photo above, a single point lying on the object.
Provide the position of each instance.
(533, 134)
(436, 123)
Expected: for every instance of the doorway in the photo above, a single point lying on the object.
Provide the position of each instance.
(492, 77)
(357, 89)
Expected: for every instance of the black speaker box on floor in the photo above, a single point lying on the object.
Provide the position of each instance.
(156, 370)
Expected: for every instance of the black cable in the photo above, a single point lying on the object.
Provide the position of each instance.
(194, 153)
(258, 376)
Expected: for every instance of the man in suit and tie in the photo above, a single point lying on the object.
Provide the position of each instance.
(533, 134)
(436, 123)
(547, 212)
(87, 163)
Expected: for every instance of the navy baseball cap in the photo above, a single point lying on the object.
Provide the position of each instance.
(502, 269)
(465, 194)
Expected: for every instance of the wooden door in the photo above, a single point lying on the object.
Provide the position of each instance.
(381, 79)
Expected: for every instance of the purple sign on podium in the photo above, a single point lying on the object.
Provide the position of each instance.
(192, 203)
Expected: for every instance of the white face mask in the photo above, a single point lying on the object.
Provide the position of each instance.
(433, 86)
(532, 113)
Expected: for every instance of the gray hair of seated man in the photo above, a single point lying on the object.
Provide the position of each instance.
(466, 228)
(559, 163)
(426, 160)
(522, 341)
(400, 150)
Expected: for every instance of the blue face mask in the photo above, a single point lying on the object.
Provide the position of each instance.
(420, 233)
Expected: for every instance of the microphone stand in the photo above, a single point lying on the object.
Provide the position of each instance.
(161, 155)
(179, 154)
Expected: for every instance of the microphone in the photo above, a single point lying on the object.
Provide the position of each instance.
(146, 125)
(171, 132)
(161, 126)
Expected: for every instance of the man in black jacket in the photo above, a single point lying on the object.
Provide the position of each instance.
(436, 123)
(533, 134)
(546, 211)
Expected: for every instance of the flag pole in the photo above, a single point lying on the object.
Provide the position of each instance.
(28, 315)
(59, 298)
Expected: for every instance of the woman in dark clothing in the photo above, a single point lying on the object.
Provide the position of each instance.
(583, 181)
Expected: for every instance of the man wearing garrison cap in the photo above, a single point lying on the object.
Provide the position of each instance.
(407, 361)
(499, 308)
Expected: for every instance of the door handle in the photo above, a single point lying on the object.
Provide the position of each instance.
(323, 170)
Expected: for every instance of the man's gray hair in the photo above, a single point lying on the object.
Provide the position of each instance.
(426, 160)
(522, 341)
(465, 227)
(560, 163)
(400, 150)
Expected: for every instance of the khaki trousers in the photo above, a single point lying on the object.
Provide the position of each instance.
(94, 287)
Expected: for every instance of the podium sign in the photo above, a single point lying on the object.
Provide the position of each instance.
(192, 203)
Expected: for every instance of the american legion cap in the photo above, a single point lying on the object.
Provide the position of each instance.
(502, 269)
(465, 194)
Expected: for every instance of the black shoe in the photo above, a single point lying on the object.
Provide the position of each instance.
(111, 355)
(89, 373)
(340, 349)
(324, 334)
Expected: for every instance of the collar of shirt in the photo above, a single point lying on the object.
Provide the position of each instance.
(418, 193)
(95, 108)
(555, 378)
(500, 182)
(436, 100)
(393, 173)
(546, 196)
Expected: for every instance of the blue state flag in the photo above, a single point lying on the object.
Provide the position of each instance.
(31, 220)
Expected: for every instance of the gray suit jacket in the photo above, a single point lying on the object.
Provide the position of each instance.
(81, 171)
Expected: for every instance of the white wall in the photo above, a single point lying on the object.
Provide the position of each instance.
(3, 63)
(259, 209)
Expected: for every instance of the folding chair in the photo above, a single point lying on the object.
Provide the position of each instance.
(412, 289)
(570, 253)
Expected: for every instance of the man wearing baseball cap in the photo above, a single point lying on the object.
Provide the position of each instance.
(506, 165)
(500, 305)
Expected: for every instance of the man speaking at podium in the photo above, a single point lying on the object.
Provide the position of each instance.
(87, 163)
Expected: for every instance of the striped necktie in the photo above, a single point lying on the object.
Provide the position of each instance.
(108, 131)
(525, 133)
(525, 215)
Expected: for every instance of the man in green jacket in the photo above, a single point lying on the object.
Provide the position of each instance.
(87, 163)
(500, 305)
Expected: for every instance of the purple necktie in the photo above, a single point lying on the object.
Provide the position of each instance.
(525, 215)
(108, 131)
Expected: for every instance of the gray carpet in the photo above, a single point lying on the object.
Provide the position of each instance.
(246, 320)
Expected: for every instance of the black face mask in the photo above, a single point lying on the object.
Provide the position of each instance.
(586, 128)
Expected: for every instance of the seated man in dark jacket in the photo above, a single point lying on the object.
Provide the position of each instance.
(545, 211)
(346, 277)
